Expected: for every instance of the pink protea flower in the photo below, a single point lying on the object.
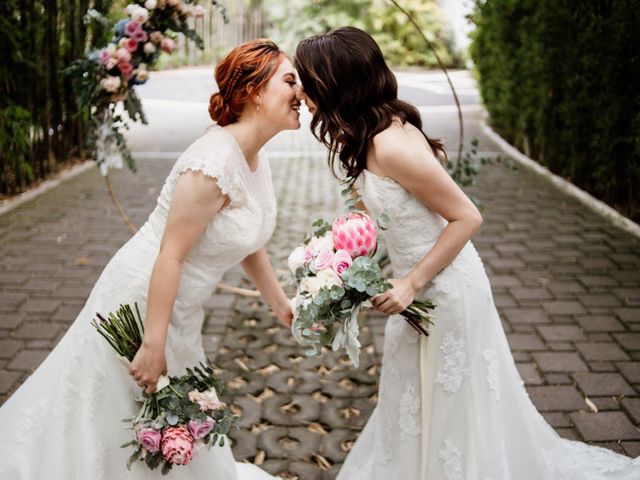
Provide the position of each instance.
(177, 445)
(357, 234)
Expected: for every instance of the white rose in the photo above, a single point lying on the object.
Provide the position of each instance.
(211, 395)
(110, 83)
(296, 259)
(319, 244)
(141, 74)
(111, 48)
(140, 15)
(150, 4)
(329, 278)
(130, 8)
(325, 278)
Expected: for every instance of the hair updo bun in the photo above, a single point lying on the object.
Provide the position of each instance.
(219, 111)
(240, 75)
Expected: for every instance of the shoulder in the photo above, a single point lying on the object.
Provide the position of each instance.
(400, 147)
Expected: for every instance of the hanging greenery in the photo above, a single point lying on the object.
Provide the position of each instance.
(105, 78)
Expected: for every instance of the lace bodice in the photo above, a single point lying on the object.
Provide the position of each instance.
(412, 228)
(243, 226)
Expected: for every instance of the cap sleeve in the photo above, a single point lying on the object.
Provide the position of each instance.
(215, 160)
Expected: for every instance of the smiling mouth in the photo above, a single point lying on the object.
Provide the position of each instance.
(295, 107)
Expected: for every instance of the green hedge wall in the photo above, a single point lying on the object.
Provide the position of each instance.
(561, 81)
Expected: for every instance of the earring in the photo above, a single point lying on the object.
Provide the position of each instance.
(257, 107)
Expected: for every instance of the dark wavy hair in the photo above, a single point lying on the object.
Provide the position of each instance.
(344, 73)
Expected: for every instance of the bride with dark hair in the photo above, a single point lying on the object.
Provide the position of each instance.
(451, 406)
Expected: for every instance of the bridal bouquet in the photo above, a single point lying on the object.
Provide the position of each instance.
(184, 414)
(336, 276)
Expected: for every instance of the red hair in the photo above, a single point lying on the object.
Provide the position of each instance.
(244, 71)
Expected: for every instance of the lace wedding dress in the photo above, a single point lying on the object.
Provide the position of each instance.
(452, 406)
(64, 422)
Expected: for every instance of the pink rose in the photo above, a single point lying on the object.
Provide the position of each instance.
(167, 45)
(150, 439)
(131, 28)
(177, 445)
(126, 69)
(155, 37)
(201, 429)
(131, 45)
(341, 261)
(140, 36)
(324, 259)
(104, 56)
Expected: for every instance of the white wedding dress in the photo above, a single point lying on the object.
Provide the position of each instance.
(65, 421)
(452, 406)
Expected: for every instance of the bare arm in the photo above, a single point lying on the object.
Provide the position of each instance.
(260, 270)
(196, 200)
(402, 154)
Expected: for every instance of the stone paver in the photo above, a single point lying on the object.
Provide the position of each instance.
(566, 283)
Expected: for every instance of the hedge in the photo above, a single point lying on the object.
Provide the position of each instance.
(561, 82)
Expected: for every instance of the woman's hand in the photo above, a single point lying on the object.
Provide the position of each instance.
(147, 366)
(284, 313)
(396, 299)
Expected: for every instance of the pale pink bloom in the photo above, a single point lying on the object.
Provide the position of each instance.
(167, 45)
(123, 55)
(174, 3)
(150, 4)
(155, 37)
(207, 400)
(318, 244)
(324, 259)
(341, 261)
(356, 234)
(111, 63)
(126, 69)
(201, 429)
(110, 83)
(177, 445)
(150, 439)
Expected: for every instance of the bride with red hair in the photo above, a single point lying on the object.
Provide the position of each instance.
(216, 209)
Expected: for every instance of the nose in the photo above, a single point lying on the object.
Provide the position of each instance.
(300, 95)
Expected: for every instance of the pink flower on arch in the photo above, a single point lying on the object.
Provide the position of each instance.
(131, 28)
